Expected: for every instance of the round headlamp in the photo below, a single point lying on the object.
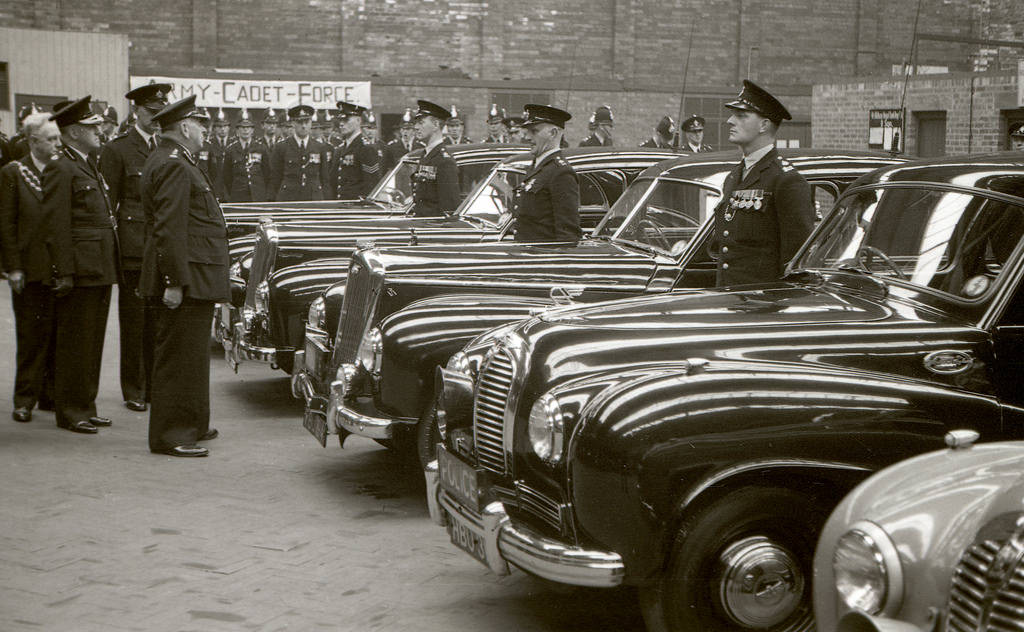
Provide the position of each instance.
(546, 428)
(867, 570)
(261, 299)
(317, 313)
(371, 350)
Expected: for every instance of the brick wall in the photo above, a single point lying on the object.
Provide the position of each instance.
(840, 111)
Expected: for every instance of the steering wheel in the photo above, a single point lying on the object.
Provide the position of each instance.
(866, 254)
(396, 195)
(659, 234)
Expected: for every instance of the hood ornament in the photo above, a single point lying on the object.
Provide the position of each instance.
(564, 294)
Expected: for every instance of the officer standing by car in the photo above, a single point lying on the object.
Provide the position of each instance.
(356, 165)
(693, 135)
(246, 164)
(82, 244)
(546, 205)
(184, 272)
(435, 183)
(766, 212)
(121, 163)
(298, 164)
(663, 135)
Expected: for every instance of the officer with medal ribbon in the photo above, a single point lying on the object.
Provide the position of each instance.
(766, 212)
(299, 163)
(435, 183)
(246, 164)
(184, 272)
(121, 163)
(82, 243)
(356, 166)
(546, 205)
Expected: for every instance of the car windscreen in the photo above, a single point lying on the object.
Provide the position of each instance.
(951, 241)
(396, 186)
(491, 201)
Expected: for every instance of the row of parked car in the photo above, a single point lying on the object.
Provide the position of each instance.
(598, 414)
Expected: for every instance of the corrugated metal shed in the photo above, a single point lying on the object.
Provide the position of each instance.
(63, 63)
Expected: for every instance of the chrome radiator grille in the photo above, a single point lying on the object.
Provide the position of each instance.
(358, 296)
(987, 591)
(539, 504)
(489, 410)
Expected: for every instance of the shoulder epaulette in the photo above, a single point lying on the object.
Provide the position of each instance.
(785, 164)
(175, 153)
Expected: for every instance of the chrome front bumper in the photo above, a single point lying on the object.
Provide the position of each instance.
(237, 349)
(507, 543)
(359, 415)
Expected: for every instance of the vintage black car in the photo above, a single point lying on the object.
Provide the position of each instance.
(692, 444)
(279, 290)
(385, 356)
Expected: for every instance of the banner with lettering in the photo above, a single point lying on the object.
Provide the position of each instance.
(250, 93)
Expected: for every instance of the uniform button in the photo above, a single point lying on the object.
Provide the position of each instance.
(725, 233)
(725, 249)
(725, 266)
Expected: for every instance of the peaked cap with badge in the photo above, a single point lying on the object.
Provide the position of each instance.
(534, 113)
(152, 96)
(76, 113)
(300, 112)
(756, 99)
(427, 108)
(180, 110)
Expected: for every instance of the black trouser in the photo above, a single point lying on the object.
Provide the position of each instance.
(33, 325)
(81, 324)
(180, 389)
(136, 339)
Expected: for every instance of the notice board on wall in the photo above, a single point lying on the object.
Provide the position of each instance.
(885, 129)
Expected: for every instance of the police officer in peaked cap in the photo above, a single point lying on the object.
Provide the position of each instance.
(299, 168)
(766, 212)
(435, 183)
(693, 135)
(546, 205)
(184, 273)
(121, 163)
(357, 163)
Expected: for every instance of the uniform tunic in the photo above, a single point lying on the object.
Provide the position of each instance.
(546, 205)
(594, 141)
(210, 165)
(435, 184)
(762, 221)
(23, 241)
(656, 144)
(121, 162)
(187, 248)
(394, 151)
(82, 244)
(299, 173)
(246, 171)
(355, 169)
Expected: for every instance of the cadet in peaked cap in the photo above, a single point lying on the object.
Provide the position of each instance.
(82, 245)
(546, 205)
(404, 141)
(663, 135)
(300, 164)
(601, 135)
(435, 183)
(496, 132)
(766, 211)
(1016, 134)
(356, 166)
(184, 273)
(693, 135)
(455, 128)
(121, 163)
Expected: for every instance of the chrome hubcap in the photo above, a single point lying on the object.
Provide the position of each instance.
(761, 583)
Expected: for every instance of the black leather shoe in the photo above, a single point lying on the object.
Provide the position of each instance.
(99, 421)
(23, 414)
(189, 449)
(209, 434)
(135, 404)
(83, 427)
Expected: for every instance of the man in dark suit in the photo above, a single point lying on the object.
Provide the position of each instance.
(27, 264)
(356, 165)
(246, 165)
(766, 212)
(663, 135)
(435, 183)
(298, 165)
(601, 134)
(546, 204)
(82, 244)
(403, 144)
(184, 272)
(121, 163)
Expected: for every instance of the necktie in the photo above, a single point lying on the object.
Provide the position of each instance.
(151, 143)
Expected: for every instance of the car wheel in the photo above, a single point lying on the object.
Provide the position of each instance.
(740, 563)
(427, 434)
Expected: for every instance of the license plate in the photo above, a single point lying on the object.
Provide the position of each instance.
(316, 358)
(458, 479)
(316, 423)
(466, 539)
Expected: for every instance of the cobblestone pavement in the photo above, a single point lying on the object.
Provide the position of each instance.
(271, 532)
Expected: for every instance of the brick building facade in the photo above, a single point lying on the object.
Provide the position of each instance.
(630, 54)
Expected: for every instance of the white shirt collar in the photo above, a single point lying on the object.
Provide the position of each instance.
(302, 141)
(146, 137)
(751, 159)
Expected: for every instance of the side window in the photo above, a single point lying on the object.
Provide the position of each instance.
(613, 183)
(825, 196)
(591, 193)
